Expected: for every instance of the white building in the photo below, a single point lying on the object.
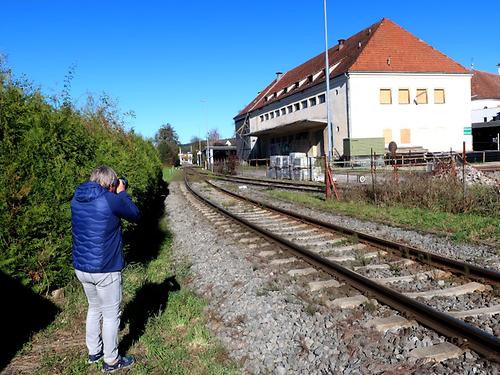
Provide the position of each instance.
(384, 83)
(485, 115)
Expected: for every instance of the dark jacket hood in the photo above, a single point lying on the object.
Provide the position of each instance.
(88, 191)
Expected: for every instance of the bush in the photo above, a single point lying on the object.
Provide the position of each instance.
(45, 152)
(425, 191)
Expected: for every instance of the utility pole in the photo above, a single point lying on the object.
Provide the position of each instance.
(327, 95)
(204, 101)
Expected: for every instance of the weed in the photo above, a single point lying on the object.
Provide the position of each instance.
(270, 286)
(395, 269)
(370, 306)
(359, 258)
(311, 309)
(495, 289)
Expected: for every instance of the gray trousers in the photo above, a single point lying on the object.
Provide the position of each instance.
(104, 295)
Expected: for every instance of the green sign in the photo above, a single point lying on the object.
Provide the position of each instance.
(467, 130)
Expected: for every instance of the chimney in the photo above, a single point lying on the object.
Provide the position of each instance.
(341, 43)
(279, 75)
(498, 66)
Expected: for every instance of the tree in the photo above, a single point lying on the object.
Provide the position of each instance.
(195, 139)
(167, 143)
(213, 135)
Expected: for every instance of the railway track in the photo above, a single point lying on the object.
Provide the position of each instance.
(281, 184)
(488, 167)
(369, 264)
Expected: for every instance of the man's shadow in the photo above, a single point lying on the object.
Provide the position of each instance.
(23, 313)
(150, 299)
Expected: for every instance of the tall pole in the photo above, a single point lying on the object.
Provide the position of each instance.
(327, 95)
(204, 101)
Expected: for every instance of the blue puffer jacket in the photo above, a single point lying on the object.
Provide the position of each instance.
(97, 234)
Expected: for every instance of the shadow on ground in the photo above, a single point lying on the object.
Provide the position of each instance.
(23, 313)
(145, 239)
(149, 300)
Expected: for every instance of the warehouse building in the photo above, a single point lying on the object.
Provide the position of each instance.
(385, 84)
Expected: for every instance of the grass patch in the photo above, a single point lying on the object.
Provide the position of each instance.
(164, 326)
(460, 227)
(172, 174)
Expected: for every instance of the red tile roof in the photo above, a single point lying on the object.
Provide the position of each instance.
(485, 85)
(382, 47)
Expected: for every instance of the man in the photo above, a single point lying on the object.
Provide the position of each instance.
(97, 207)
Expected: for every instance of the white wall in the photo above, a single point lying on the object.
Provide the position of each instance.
(436, 127)
(481, 103)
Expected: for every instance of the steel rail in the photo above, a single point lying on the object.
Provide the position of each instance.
(463, 334)
(282, 185)
(456, 266)
(314, 187)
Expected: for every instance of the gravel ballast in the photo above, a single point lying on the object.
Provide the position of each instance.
(268, 326)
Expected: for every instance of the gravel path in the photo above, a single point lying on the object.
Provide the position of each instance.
(270, 324)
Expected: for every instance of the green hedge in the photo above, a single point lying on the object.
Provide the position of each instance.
(45, 152)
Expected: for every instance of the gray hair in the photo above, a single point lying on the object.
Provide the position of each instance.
(104, 176)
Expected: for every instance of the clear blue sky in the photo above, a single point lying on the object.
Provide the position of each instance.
(162, 58)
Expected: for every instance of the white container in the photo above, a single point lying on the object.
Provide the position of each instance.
(294, 155)
(300, 162)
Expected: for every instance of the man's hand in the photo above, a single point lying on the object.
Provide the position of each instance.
(121, 186)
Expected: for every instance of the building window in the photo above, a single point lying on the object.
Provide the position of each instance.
(387, 135)
(421, 96)
(385, 96)
(272, 114)
(296, 107)
(439, 96)
(405, 135)
(267, 116)
(283, 111)
(303, 103)
(277, 113)
(289, 109)
(261, 118)
(310, 78)
(404, 96)
(312, 102)
(321, 98)
(285, 90)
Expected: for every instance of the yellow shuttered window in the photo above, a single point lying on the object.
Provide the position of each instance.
(387, 135)
(404, 96)
(421, 96)
(439, 96)
(385, 96)
(405, 136)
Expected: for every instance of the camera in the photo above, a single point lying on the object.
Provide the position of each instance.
(124, 182)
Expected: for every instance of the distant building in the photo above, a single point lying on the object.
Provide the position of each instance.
(485, 110)
(384, 83)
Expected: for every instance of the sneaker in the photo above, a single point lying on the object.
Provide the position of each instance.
(93, 358)
(122, 362)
